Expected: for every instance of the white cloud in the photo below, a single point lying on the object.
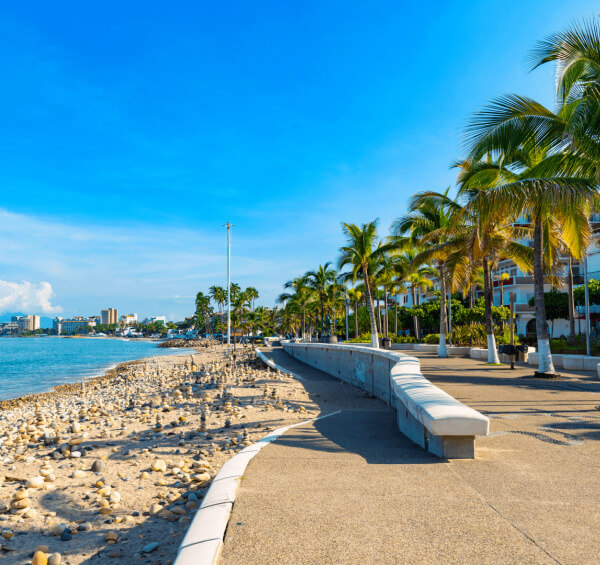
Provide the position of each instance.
(27, 297)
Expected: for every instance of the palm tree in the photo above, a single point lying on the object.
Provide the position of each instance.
(429, 217)
(355, 295)
(362, 253)
(302, 296)
(219, 297)
(252, 295)
(319, 281)
(541, 179)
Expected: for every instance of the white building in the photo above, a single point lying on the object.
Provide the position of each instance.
(129, 319)
(73, 325)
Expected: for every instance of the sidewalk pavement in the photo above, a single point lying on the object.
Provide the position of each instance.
(352, 489)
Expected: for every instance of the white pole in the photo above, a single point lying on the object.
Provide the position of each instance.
(587, 306)
(450, 317)
(228, 225)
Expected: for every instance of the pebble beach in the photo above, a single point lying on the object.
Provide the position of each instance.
(113, 469)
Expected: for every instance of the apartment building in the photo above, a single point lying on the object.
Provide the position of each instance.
(73, 325)
(109, 316)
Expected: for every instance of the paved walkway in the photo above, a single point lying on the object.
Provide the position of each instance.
(352, 489)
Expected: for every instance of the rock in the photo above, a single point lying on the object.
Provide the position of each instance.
(85, 527)
(150, 547)
(21, 493)
(42, 548)
(99, 466)
(54, 559)
(78, 474)
(20, 504)
(155, 508)
(114, 497)
(31, 513)
(58, 529)
(39, 558)
(35, 482)
(159, 465)
(75, 454)
(7, 534)
(111, 537)
(66, 535)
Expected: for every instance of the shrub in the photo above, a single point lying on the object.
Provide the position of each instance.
(403, 339)
(431, 338)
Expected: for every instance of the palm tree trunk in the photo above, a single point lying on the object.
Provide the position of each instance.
(442, 350)
(374, 336)
(356, 319)
(571, 298)
(492, 356)
(322, 317)
(472, 297)
(386, 314)
(545, 364)
(501, 286)
(379, 327)
(303, 323)
(396, 317)
(415, 319)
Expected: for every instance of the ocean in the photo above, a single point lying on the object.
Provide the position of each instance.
(37, 364)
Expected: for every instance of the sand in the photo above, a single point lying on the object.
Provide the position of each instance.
(114, 468)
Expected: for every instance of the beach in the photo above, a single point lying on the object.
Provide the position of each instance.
(115, 467)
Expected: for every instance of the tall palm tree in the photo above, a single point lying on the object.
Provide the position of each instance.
(252, 295)
(426, 224)
(319, 281)
(219, 297)
(361, 253)
(302, 295)
(542, 179)
(355, 296)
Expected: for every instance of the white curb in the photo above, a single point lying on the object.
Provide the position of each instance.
(274, 365)
(203, 541)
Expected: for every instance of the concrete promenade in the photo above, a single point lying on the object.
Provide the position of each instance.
(352, 489)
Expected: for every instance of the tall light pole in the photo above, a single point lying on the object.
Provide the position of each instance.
(587, 305)
(228, 226)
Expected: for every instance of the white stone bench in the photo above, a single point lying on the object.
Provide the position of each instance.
(426, 414)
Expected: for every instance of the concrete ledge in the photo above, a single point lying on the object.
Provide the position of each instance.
(204, 553)
(424, 410)
(433, 348)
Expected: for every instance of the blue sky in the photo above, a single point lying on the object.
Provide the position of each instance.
(130, 134)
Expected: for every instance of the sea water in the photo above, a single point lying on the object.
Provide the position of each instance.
(37, 364)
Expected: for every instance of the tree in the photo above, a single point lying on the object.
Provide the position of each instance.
(355, 296)
(540, 185)
(361, 253)
(556, 304)
(426, 224)
(319, 281)
(302, 296)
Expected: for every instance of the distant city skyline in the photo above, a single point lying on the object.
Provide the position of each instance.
(125, 150)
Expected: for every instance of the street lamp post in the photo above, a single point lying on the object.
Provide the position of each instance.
(450, 318)
(587, 306)
(228, 226)
(347, 304)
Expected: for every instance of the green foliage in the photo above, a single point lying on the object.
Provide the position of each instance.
(594, 292)
(431, 338)
(403, 339)
(556, 303)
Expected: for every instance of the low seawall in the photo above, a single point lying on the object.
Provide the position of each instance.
(426, 414)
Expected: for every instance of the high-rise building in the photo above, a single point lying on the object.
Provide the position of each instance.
(27, 323)
(73, 325)
(109, 316)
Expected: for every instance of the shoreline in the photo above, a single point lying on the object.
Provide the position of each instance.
(117, 464)
(108, 372)
(101, 371)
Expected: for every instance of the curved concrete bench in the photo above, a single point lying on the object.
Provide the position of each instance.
(426, 414)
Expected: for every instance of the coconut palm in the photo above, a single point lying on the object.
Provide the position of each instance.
(252, 295)
(302, 296)
(355, 296)
(541, 179)
(361, 253)
(319, 281)
(426, 224)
